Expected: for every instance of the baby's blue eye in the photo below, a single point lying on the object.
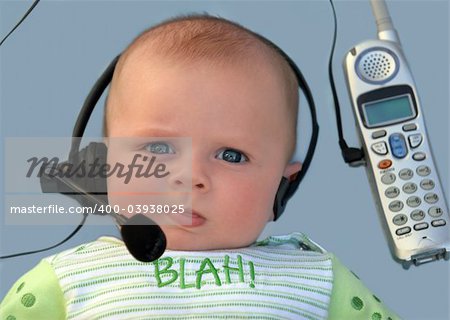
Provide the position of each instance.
(233, 156)
(159, 147)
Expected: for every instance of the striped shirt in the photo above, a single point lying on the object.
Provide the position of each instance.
(281, 277)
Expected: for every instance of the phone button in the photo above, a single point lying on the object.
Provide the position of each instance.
(392, 192)
(410, 187)
(427, 184)
(388, 178)
(431, 197)
(406, 174)
(423, 171)
(417, 215)
(435, 212)
(378, 134)
(398, 145)
(438, 223)
(420, 226)
(380, 148)
(419, 156)
(415, 140)
(400, 219)
(396, 206)
(403, 231)
(413, 201)
(409, 127)
(384, 164)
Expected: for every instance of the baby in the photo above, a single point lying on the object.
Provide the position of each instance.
(237, 99)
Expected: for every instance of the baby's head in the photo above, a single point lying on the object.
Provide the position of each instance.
(236, 97)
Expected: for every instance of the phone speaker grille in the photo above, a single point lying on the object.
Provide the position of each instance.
(377, 65)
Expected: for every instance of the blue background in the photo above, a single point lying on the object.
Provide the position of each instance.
(52, 60)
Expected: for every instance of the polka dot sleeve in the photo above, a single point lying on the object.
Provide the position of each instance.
(36, 295)
(350, 299)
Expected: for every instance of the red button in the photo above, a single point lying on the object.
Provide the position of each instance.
(384, 164)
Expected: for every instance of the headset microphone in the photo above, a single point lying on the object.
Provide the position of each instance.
(146, 242)
(143, 238)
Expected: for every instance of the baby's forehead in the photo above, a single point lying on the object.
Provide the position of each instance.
(153, 65)
(144, 68)
(143, 58)
(204, 39)
(213, 43)
(155, 80)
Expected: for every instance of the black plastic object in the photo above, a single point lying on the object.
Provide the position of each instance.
(146, 242)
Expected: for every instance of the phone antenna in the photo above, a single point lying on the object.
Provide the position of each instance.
(385, 27)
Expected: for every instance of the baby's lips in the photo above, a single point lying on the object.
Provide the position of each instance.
(189, 218)
(192, 213)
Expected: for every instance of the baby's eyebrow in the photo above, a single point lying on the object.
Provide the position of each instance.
(156, 132)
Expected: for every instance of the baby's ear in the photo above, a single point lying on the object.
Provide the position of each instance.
(292, 169)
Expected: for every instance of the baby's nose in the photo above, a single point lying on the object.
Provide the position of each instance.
(189, 177)
(200, 176)
(183, 181)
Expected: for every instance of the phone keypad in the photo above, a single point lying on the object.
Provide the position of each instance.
(415, 205)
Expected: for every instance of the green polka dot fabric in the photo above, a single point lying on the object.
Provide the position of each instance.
(36, 295)
(350, 299)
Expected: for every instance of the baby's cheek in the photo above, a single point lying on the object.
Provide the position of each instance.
(258, 194)
(251, 208)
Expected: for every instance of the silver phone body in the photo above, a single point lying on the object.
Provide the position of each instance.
(416, 221)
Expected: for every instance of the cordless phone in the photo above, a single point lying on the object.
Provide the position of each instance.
(397, 151)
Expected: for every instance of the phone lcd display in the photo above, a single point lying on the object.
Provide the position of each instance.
(389, 110)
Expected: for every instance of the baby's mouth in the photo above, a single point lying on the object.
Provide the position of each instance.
(189, 218)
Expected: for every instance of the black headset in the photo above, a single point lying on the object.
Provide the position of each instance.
(134, 234)
(97, 150)
(143, 238)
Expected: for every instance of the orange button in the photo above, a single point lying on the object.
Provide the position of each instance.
(384, 164)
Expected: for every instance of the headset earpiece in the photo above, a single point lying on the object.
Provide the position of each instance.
(94, 156)
(280, 198)
(92, 180)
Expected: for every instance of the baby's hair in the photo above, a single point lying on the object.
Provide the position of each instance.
(209, 39)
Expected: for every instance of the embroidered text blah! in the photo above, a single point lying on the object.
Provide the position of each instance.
(163, 269)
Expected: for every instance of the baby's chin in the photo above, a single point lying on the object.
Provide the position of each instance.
(202, 242)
